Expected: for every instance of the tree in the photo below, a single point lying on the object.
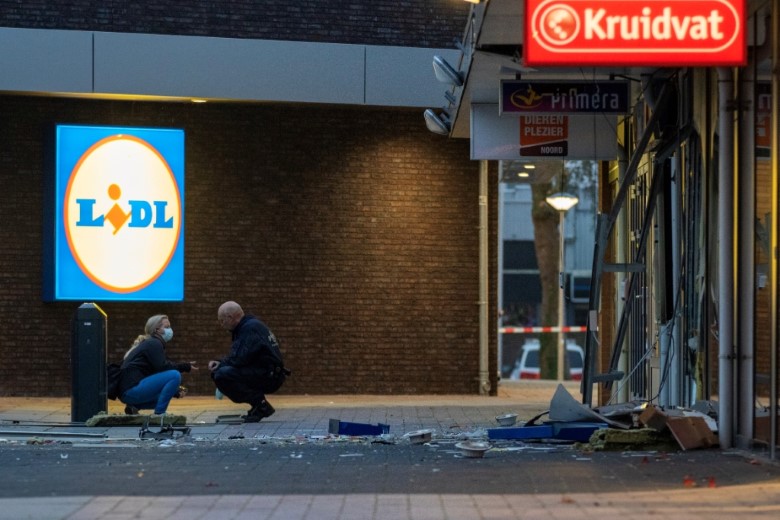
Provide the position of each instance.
(547, 244)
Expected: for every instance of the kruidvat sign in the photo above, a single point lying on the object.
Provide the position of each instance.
(564, 97)
(635, 32)
(116, 215)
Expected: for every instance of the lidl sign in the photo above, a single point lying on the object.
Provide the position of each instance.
(116, 215)
(635, 32)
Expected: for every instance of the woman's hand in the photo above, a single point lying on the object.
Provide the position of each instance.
(213, 365)
(194, 365)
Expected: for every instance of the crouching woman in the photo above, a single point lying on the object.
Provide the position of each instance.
(149, 379)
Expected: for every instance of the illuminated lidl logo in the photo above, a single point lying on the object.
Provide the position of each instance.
(119, 216)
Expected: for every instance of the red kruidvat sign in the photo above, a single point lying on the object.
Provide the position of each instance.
(671, 33)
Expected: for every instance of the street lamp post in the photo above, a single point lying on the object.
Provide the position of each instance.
(561, 202)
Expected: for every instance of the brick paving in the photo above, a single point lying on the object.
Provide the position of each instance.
(288, 467)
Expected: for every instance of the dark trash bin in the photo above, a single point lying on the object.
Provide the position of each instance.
(88, 362)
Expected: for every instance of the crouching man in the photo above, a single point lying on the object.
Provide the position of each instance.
(254, 366)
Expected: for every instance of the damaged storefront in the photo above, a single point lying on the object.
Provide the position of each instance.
(682, 311)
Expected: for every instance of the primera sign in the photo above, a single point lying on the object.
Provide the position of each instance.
(635, 32)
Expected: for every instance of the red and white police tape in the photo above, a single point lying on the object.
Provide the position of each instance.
(537, 330)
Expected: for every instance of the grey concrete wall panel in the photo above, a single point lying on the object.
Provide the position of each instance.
(263, 70)
(45, 61)
(403, 76)
(165, 66)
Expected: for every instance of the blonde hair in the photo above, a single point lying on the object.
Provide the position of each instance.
(152, 324)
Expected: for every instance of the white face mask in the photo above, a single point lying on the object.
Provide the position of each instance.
(167, 334)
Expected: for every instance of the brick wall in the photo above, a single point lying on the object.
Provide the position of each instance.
(352, 232)
(414, 23)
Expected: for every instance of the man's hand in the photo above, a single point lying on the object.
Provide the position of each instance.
(213, 365)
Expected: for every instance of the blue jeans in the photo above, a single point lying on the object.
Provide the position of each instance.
(154, 391)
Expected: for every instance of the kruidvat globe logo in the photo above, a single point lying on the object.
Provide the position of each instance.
(559, 24)
(122, 213)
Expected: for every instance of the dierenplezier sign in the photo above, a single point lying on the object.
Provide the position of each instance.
(497, 137)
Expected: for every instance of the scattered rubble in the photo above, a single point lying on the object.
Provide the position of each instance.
(628, 426)
(353, 428)
(106, 419)
(568, 424)
(610, 439)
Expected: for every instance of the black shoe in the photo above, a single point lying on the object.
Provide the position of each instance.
(259, 411)
(131, 410)
(265, 409)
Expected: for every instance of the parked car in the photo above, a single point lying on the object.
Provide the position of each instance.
(575, 355)
(528, 366)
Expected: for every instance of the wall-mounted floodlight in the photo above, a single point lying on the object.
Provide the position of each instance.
(438, 124)
(446, 73)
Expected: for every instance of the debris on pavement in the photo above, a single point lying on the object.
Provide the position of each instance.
(166, 431)
(105, 419)
(567, 424)
(564, 408)
(419, 436)
(473, 449)
(627, 426)
(352, 428)
(507, 419)
(42, 434)
(611, 439)
(230, 419)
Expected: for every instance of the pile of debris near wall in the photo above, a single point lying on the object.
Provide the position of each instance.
(627, 426)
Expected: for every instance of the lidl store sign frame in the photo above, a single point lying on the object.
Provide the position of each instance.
(116, 215)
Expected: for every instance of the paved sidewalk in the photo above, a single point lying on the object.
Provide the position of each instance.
(305, 414)
(287, 467)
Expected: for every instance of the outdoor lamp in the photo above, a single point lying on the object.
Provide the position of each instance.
(562, 202)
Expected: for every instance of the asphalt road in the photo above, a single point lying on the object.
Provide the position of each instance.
(252, 466)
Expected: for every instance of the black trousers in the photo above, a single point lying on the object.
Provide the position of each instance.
(246, 384)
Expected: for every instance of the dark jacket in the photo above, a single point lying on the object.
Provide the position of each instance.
(254, 345)
(146, 359)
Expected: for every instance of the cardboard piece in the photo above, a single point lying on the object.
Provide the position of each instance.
(692, 432)
(654, 418)
(763, 428)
